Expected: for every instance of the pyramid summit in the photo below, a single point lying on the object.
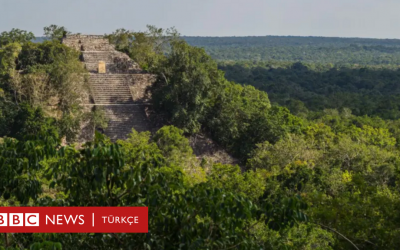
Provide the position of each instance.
(116, 83)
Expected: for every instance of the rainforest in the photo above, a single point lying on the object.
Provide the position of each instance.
(312, 125)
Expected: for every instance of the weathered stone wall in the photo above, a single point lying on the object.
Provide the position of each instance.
(123, 64)
(88, 43)
(107, 56)
(140, 84)
(121, 67)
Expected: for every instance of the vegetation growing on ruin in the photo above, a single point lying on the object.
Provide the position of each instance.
(48, 77)
(315, 180)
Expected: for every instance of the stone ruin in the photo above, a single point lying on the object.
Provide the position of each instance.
(121, 88)
(96, 48)
(88, 43)
(117, 84)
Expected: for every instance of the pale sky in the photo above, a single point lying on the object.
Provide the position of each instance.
(334, 18)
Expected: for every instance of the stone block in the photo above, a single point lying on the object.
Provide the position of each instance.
(102, 67)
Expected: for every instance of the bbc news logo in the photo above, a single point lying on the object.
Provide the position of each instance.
(19, 219)
(73, 219)
(32, 219)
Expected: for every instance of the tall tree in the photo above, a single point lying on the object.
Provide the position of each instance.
(55, 32)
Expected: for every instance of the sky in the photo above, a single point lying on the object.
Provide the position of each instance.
(333, 18)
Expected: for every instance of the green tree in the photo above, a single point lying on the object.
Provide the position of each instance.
(176, 149)
(16, 36)
(192, 84)
(50, 76)
(30, 122)
(146, 48)
(55, 32)
(180, 216)
(251, 184)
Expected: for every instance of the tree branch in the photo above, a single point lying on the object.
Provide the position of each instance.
(333, 230)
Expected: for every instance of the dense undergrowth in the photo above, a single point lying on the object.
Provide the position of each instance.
(326, 180)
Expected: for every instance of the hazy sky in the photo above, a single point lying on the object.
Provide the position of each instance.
(344, 18)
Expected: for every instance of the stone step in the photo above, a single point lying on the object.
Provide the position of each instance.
(110, 89)
(125, 96)
(123, 118)
(105, 102)
(117, 87)
(109, 96)
(119, 75)
(112, 101)
(107, 56)
(107, 91)
(95, 57)
(111, 76)
(110, 92)
(112, 68)
(108, 84)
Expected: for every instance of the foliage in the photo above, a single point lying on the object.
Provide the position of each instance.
(15, 36)
(8, 110)
(327, 50)
(196, 97)
(302, 87)
(44, 54)
(8, 57)
(325, 179)
(193, 84)
(146, 48)
(170, 140)
(20, 160)
(29, 122)
(122, 39)
(180, 216)
(304, 236)
(176, 149)
(349, 180)
(55, 32)
(97, 118)
(45, 75)
(251, 184)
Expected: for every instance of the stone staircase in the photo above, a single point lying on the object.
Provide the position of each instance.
(120, 91)
(125, 117)
(96, 56)
(116, 62)
(110, 89)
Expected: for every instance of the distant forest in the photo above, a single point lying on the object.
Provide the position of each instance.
(342, 51)
(338, 51)
(312, 74)
(373, 91)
